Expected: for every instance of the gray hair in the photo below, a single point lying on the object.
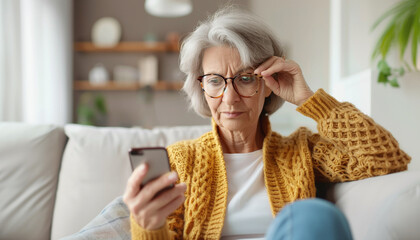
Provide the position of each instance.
(235, 28)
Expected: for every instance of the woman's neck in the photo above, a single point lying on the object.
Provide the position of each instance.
(241, 141)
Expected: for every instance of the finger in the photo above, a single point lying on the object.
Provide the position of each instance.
(277, 66)
(271, 83)
(150, 190)
(280, 65)
(134, 182)
(265, 65)
(171, 207)
(166, 198)
(156, 220)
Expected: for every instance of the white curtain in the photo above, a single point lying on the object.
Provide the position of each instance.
(36, 61)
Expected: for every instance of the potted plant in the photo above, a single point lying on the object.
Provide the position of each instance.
(403, 29)
(92, 110)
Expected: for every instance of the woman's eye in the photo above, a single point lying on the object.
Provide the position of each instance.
(247, 78)
(213, 81)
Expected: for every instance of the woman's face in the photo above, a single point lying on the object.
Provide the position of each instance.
(231, 111)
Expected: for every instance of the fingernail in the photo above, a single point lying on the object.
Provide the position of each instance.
(172, 176)
(263, 73)
(141, 168)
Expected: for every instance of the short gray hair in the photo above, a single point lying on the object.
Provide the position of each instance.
(236, 28)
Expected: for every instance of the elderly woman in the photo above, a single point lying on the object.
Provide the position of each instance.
(242, 180)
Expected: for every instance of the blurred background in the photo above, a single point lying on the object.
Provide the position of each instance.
(115, 63)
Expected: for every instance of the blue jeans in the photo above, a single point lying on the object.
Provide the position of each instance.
(310, 219)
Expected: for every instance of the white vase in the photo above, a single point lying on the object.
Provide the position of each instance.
(98, 74)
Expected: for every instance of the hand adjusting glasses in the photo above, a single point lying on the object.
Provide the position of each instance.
(245, 84)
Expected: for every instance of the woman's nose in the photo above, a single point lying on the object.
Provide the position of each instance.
(230, 96)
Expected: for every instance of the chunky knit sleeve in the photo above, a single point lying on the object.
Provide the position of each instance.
(349, 145)
(137, 232)
(175, 222)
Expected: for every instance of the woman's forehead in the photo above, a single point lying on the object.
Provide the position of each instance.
(221, 59)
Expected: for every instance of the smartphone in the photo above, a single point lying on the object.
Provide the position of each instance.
(155, 157)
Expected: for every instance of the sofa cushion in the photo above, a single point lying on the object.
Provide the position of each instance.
(96, 167)
(30, 157)
(384, 207)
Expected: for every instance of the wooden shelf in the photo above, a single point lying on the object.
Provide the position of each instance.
(114, 86)
(128, 47)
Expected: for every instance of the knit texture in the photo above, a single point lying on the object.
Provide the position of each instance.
(349, 146)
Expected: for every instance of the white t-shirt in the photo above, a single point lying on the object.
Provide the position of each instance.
(248, 213)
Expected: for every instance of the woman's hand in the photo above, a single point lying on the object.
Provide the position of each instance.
(148, 209)
(285, 79)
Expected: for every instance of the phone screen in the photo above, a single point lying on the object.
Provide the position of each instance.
(156, 158)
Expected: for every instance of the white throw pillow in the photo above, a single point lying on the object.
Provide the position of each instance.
(385, 207)
(30, 157)
(96, 167)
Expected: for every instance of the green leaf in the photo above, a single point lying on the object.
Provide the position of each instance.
(400, 26)
(415, 38)
(100, 104)
(388, 38)
(382, 78)
(404, 33)
(414, 47)
(380, 43)
(384, 68)
(395, 10)
(394, 83)
(85, 115)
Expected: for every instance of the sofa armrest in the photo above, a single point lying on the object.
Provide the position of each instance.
(30, 158)
(384, 207)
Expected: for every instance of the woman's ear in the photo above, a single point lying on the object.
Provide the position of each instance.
(267, 91)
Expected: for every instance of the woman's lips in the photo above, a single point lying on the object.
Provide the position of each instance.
(232, 114)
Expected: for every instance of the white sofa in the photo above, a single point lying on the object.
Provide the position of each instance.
(54, 180)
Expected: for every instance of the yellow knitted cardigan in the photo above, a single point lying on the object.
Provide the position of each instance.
(349, 146)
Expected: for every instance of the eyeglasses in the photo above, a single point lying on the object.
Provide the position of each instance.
(245, 84)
